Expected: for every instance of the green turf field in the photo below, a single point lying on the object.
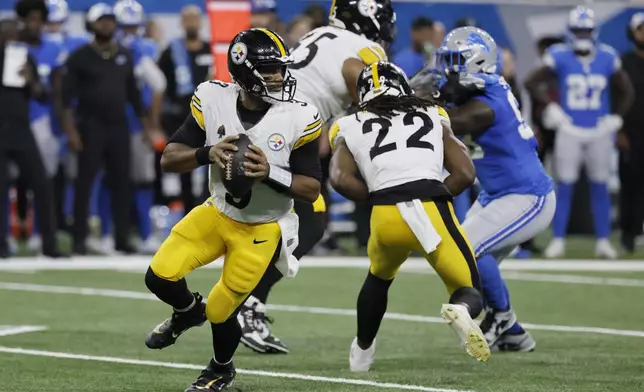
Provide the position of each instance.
(94, 340)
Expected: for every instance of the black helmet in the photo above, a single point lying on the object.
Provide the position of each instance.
(256, 51)
(382, 78)
(374, 19)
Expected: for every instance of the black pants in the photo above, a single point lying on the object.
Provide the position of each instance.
(104, 145)
(631, 175)
(20, 147)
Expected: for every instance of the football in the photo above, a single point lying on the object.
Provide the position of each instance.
(236, 182)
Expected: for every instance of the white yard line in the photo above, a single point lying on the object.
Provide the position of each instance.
(260, 373)
(140, 263)
(8, 330)
(89, 291)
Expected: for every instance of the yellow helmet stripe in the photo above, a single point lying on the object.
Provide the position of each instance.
(375, 76)
(332, 10)
(275, 39)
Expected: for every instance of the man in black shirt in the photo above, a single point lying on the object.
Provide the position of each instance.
(186, 62)
(17, 142)
(100, 76)
(630, 141)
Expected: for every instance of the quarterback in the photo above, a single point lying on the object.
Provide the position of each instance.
(252, 231)
(399, 144)
(327, 62)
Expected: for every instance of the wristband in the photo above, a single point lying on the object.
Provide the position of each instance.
(202, 155)
(279, 176)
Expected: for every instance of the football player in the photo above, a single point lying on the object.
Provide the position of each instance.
(590, 80)
(252, 232)
(328, 61)
(399, 143)
(517, 200)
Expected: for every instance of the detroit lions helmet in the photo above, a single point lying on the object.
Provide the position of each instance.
(58, 11)
(581, 33)
(129, 13)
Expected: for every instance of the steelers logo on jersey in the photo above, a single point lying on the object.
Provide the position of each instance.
(367, 8)
(276, 142)
(238, 53)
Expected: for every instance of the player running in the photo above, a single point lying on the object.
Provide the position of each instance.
(255, 231)
(590, 80)
(517, 200)
(399, 144)
(328, 61)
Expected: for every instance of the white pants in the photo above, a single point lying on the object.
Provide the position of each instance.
(572, 151)
(507, 222)
(48, 144)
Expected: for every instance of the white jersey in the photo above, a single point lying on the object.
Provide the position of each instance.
(285, 127)
(319, 57)
(397, 151)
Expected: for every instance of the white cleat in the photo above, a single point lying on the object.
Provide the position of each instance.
(360, 360)
(150, 246)
(605, 250)
(458, 318)
(556, 249)
(12, 245)
(34, 244)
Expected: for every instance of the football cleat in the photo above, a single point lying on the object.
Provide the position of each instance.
(605, 250)
(520, 342)
(555, 249)
(214, 378)
(458, 318)
(360, 360)
(166, 333)
(496, 323)
(255, 332)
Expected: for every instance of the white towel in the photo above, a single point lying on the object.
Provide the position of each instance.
(413, 213)
(287, 264)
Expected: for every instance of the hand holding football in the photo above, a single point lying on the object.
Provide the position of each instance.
(232, 154)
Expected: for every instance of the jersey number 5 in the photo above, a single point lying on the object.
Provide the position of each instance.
(414, 141)
(313, 50)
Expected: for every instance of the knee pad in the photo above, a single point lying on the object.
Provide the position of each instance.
(222, 303)
(240, 281)
(469, 296)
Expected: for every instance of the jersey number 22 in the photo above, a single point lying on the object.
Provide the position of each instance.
(414, 141)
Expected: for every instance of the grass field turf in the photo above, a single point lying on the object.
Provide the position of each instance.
(409, 353)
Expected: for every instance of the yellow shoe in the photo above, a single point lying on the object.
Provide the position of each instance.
(467, 330)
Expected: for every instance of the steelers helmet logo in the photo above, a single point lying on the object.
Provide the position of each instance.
(276, 142)
(367, 8)
(238, 53)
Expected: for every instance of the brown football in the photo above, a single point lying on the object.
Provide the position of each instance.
(236, 182)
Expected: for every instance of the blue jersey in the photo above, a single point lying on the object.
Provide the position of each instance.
(509, 163)
(140, 48)
(48, 56)
(584, 83)
(69, 42)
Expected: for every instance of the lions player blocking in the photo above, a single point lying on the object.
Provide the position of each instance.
(517, 201)
(589, 76)
(328, 61)
(400, 143)
(252, 232)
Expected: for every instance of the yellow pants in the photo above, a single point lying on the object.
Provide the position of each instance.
(203, 236)
(392, 241)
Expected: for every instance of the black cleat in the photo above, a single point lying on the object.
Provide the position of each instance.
(255, 332)
(214, 378)
(166, 333)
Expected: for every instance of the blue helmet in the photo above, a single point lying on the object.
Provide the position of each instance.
(581, 33)
(129, 13)
(58, 11)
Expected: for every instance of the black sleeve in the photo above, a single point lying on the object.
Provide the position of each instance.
(133, 92)
(70, 79)
(167, 67)
(190, 134)
(305, 161)
(38, 90)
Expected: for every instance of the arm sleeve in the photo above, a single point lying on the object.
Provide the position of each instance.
(167, 68)
(310, 133)
(305, 161)
(38, 89)
(548, 60)
(334, 133)
(196, 110)
(133, 93)
(152, 75)
(70, 81)
(189, 133)
(372, 54)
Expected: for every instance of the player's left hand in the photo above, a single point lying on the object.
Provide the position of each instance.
(610, 123)
(259, 168)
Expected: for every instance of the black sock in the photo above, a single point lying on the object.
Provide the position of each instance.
(175, 294)
(225, 339)
(372, 305)
(470, 297)
(270, 278)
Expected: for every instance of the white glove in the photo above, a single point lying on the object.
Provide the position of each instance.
(554, 117)
(610, 123)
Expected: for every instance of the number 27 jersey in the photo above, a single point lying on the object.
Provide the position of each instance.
(397, 151)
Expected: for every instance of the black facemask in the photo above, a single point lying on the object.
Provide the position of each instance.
(454, 92)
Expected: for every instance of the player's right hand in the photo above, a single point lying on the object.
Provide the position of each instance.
(218, 152)
(74, 141)
(554, 116)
